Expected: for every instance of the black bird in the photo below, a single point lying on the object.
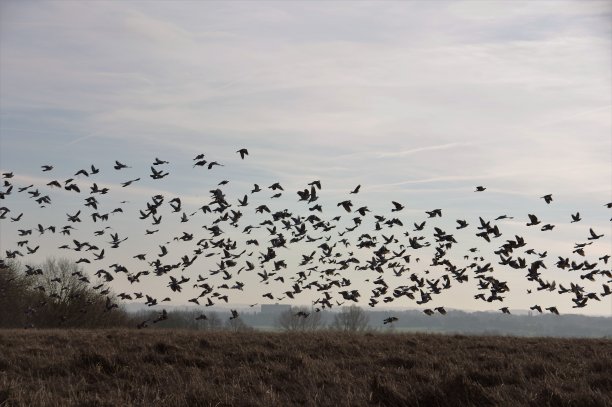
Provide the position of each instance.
(160, 162)
(390, 320)
(594, 236)
(441, 310)
(356, 190)
(128, 183)
(155, 174)
(161, 317)
(346, 205)
(75, 217)
(276, 186)
(533, 220)
(397, 206)
(553, 310)
(547, 198)
(536, 308)
(434, 213)
(420, 226)
(480, 189)
(462, 224)
(119, 166)
(243, 152)
(316, 183)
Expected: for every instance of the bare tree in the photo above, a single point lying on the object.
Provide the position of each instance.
(237, 325)
(58, 293)
(299, 319)
(213, 322)
(17, 298)
(207, 321)
(351, 319)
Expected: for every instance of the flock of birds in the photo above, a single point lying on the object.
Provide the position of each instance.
(334, 250)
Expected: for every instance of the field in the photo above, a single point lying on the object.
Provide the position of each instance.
(186, 368)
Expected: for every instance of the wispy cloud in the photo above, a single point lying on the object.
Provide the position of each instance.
(421, 149)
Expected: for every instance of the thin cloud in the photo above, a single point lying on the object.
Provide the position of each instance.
(422, 149)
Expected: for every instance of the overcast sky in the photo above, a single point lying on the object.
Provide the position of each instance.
(419, 102)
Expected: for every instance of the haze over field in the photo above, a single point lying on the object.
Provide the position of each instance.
(417, 102)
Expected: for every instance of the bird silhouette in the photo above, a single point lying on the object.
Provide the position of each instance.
(536, 308)
(397, 206)
(243, 152)
(533, 220)
(553, 310)
(390, 320)
(159, 162)
(120, 166)
(594, 236)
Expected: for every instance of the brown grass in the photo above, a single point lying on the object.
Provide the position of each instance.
(180, 368)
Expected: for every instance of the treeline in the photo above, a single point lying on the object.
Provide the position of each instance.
(299, 318)
(58, 294)
(55, 294)
(497, 323)
(357, 319)
(189, 319)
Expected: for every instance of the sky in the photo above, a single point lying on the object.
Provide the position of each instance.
(417, 102)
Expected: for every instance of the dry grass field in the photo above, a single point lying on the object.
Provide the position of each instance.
(181, 368)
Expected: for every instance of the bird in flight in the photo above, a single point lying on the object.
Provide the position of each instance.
(594, 236)
(159, 162)
(533, 220)
(397, 206)
(390, 320)
(119, 166)
(243, 152)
